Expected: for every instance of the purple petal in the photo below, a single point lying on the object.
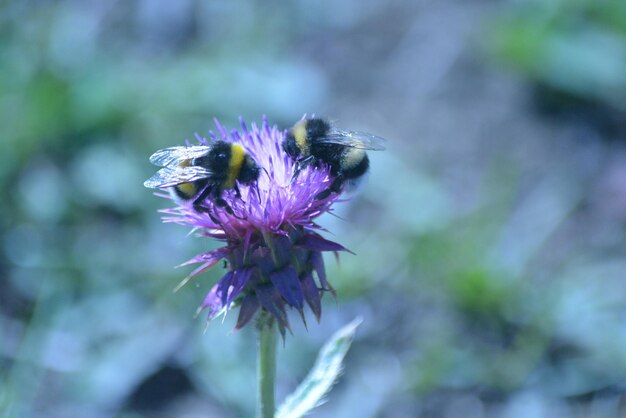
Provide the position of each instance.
(244, 128)
(315, 242)
(239, 281)
(284, 324)
(246, 242)
(288, 285)
(312, 295)
(248, 308)
(220, 128)
(261, 257)
(210, 257)
(317, 261)
(223, 287)
(270, 300)
(201, 269)
(212, 302)
(282, 247)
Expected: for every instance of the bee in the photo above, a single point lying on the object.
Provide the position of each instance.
(196, 172)
(315, 141)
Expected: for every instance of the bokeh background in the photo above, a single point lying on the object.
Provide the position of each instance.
(491, 266)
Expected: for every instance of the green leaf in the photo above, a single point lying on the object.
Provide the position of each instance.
(322, 376)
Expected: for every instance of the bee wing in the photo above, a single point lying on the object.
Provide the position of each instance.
(174, 175)
(355, 139)
(176, 155)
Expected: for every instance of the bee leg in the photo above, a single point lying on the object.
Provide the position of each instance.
(237, 191)
(197, 202)
(296, 171)
(224, 205)
(221, 203)
(301, 165)
(335, 187)
(216, 196)
(215, 220)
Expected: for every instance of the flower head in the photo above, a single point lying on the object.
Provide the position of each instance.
(272, 245)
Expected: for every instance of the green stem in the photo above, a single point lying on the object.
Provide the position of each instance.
(266, 365)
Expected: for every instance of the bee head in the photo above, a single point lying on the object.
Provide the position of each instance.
(290, 146)
(217, 159)
(249, 171)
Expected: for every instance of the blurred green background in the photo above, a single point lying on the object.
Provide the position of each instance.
(490, 239)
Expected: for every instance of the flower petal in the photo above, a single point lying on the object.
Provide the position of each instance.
(315, 242)
(312, 295)
(271, 301)
(212, 302)
(288, 284)
(223, 287)
(248, 308)
(209, 257)
(317, 261)
(239, 281)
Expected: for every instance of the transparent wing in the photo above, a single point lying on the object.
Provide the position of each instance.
(355, 139)
(174, 175)
(176, 155)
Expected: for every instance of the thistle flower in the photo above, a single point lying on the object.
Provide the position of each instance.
(272, 245)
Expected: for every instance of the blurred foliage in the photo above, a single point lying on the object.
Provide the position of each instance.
(490, 266)
(575, 47)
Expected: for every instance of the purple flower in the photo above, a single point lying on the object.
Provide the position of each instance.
(272, 245)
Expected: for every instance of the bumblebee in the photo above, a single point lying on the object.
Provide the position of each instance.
(315, 141)
(196, 172)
